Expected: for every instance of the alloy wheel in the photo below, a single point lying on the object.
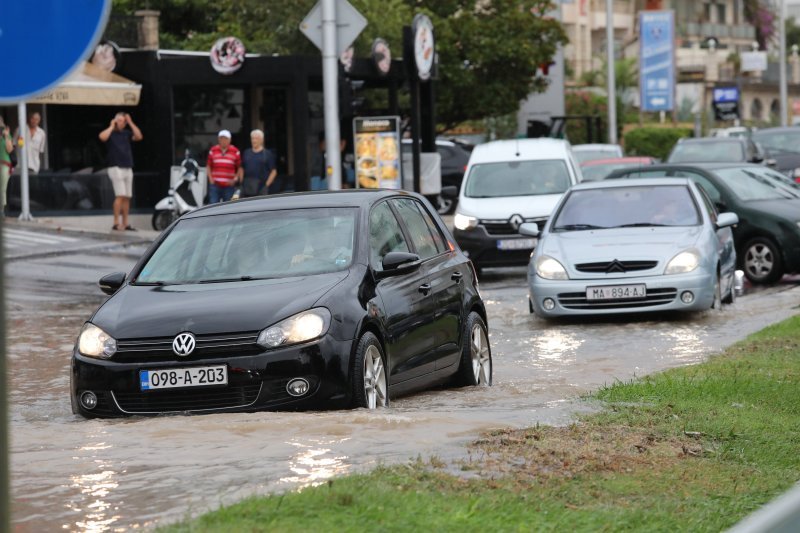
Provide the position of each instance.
(374, 378)
(481, 359)
(759, 261)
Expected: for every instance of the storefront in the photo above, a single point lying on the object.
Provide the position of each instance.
(184, 103)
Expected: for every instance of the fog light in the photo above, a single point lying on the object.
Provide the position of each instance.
(687, 297)
(549, 304)
(297, 387)
(89, 400)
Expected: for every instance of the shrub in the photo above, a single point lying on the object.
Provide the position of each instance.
(585, 103)
(653, 142)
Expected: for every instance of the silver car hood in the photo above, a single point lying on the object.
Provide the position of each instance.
(624, 244)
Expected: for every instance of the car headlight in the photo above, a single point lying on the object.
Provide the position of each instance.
(549, 268)
(683, 262)
(302, 327)
(94, 342)
(463, 222)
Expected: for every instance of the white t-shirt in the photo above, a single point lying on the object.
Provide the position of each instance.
(36, 144)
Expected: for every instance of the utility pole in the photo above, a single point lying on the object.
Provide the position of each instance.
(784, 109)
(610, 74)
(330, 88)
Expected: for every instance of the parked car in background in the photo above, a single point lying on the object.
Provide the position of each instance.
(782, 145)
(312, 300)
(628, 246)
(735, 131)
(455, 156)
(716, 149)
(598, 169)
(508, 183)
(590, 152)
(767, 236)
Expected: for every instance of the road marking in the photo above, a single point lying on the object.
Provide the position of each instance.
(14, 238)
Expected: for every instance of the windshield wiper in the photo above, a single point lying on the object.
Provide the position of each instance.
(149, 283)
(225, 280)
(577, 227)
(640, 225)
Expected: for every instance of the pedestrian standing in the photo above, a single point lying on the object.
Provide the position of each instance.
(118, 136)
(6, 147)
(36, 142)
(222, 167)
(258, 171)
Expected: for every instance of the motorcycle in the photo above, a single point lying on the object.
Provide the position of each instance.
(186, 193)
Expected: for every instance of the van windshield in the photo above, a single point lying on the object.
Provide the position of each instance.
(517, 178)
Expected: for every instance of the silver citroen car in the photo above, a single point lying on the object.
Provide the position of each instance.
(632, 246)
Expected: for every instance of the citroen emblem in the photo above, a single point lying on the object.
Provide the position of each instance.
(516, 221)
(183, 344)
(615, 266)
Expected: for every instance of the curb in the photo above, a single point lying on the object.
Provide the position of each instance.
(80, 232)
(72, 251)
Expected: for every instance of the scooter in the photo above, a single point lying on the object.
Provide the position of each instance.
(186, 193)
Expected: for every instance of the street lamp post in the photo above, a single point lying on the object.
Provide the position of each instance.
(784, 108)
(610, 76)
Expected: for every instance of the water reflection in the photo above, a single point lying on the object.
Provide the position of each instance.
(99, 515)
(556, 344)
(312, 464)
(685, 343)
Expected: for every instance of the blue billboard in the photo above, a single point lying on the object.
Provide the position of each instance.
(657, 60)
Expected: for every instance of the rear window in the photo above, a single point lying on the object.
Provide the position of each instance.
(693, 152)
(517, 178)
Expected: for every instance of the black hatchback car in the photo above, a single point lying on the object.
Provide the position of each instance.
(311, 300)
(767, 237)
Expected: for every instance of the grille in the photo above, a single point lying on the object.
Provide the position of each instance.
(208, 346)
(497, 257)
(577, 300)
(626, 266)
(187, 400)
(503, 227)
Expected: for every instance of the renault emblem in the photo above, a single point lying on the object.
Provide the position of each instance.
(516, 221)
(183, 344)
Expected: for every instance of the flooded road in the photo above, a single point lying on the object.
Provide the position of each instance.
(111, 475)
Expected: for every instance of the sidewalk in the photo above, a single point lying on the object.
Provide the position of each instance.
(90, 226)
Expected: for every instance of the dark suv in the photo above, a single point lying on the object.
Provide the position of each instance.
(455, 156)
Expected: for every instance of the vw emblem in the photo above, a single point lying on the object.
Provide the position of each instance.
(516, 221)
(183, 344)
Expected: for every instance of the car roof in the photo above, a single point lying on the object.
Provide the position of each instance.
(648, 182)
(704, 140)
(613, 160)
(605, 147)
(301, 200)
(522, 149)
(781, 129)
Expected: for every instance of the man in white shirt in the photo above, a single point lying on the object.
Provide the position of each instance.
(36, 142)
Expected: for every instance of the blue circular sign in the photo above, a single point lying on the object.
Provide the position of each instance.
(44, 40)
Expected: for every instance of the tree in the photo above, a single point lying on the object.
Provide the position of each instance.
(489, 51)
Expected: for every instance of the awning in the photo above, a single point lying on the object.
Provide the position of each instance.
(91, 85)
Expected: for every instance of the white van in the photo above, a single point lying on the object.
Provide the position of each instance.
(507, 183)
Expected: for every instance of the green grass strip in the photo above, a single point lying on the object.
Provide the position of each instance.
(690, 449)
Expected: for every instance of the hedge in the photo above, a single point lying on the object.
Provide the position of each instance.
(653, 142)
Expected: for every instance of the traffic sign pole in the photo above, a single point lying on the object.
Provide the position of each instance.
(23, 161)
(330, 88)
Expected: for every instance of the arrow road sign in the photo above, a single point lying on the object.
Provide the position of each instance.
(349, 24)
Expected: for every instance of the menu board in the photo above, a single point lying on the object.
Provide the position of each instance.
(377, 151)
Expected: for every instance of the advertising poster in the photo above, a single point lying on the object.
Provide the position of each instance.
(377, 151)
(657, 60)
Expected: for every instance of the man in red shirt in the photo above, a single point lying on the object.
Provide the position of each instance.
(222, 168)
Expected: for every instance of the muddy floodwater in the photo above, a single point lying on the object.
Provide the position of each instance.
(72, 474)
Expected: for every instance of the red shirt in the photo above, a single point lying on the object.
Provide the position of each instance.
(222, 167)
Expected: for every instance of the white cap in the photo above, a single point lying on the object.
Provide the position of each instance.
(224, 133)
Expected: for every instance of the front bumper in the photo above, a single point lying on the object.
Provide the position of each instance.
(483, 251)
(663, 294)
(255, 382)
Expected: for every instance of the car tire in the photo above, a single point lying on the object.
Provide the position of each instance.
(530, 307)
(761, 261)
(162, 219)
(445, 206)
(370, 380)
(475, 367)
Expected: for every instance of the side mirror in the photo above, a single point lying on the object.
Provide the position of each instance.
(771, 163)
(529, 228)
(450, 192)
(727, 219)
(110, 283)
(398, 263)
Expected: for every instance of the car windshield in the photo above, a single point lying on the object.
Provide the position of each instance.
(750, 184)
(591, 155)
(258, 245)
(621, 207)
(694, 152)
(779, 141)
(517, 178)
(599, 172)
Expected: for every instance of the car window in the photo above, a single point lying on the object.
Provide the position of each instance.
(419, 230)
(517, 178)
(657, 173)
(706, 184)
(244, 246)
(694, 152)
(708, 205)
(614, 207)
(384, 235)
(785, 141)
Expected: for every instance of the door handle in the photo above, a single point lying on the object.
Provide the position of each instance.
(457, 276)
(425, 288)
